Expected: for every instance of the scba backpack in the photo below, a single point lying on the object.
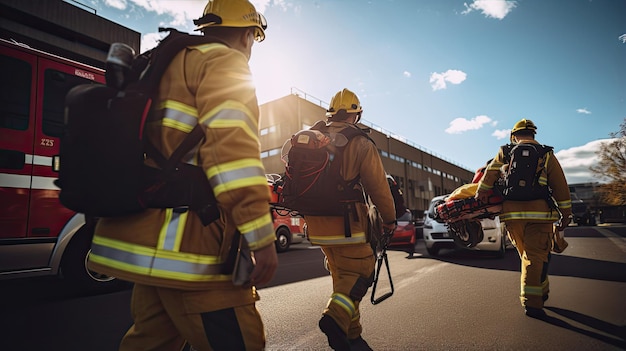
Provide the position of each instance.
(312, 184)
(525, 163)
(102, 151)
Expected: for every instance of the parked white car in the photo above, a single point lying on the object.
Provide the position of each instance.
(437, 234)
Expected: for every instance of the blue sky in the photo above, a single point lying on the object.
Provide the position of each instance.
(449, 76)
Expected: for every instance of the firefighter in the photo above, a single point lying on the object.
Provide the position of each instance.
(185, 290)
(350, 259)
(530, 224)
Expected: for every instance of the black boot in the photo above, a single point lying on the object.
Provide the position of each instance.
(359, 344)
(337, 339)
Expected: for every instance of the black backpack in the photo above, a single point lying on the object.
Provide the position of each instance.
(525, 163)
(102, 151)
(312, 183)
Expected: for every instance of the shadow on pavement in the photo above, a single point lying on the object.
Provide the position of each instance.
(608, 328)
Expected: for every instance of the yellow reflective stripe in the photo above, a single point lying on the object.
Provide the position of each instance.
(344, 302)
(355, 238)
(543, 180)
(158, 273)
(163, 231)
(235, 124)
(149, 261)
(256, 231)
(230, 114)
(240, 183)
(172, 231)
(532, 290)
(152, 252)
(179, 116)
(541, 216)
(206, 47)
(484, 186)
(565, 204)
(356, 316)
(236, 174)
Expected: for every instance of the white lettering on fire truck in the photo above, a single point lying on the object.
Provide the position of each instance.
(84, 74)
(47, 142)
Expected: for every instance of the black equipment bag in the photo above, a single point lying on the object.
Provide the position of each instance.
(312, 184)
(521, 179)
(102, 151)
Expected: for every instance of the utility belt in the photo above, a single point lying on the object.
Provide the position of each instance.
(185, 187)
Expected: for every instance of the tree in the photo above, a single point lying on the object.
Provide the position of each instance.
(612, 167)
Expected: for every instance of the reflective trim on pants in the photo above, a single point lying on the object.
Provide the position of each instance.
(351, 268)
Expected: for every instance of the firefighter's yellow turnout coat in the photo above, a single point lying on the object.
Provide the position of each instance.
(350, 258)
(211, 85)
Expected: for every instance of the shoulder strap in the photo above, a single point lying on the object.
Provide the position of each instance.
(163, 54)
(168, 165)
(506, 151)
(160, 58)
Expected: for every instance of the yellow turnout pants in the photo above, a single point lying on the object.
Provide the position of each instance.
(167, 318)
(533, 241)
(352, 271)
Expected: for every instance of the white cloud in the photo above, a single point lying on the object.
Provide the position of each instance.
(622, 38)
(577, 160)
(501, 133)
(460, 125)
(583, 111)
(150, 40)
(491, 8)
(407, 74)
(453, 76)
(117, 4)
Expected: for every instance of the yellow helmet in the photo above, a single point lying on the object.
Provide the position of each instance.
(232, 13)
(523, 124)
(344, 100)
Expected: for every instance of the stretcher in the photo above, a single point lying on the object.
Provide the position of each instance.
(462, 205)
(463, 214)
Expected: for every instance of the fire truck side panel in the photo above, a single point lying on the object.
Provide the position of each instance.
(17, 109)
(35, 228)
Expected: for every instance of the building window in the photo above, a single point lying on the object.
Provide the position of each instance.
(267, 130)
(15, 82)
(274, 152)
(384, 153)
(396, 158)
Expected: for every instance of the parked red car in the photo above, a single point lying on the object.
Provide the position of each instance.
(404, 236)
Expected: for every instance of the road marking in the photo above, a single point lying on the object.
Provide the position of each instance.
(616, 239)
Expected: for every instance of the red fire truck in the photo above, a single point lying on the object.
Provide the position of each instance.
(38, 236)
(289, 226)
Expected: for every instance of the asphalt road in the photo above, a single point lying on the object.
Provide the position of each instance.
(457, 301)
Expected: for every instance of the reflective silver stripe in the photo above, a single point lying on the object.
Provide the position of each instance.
(20, 181)
(182, 118)
(147, 263)
(228, 176)
(231, 115)
(540, 216)
(356, 238)
(259, 235)
(173, 230)
(179, 120)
